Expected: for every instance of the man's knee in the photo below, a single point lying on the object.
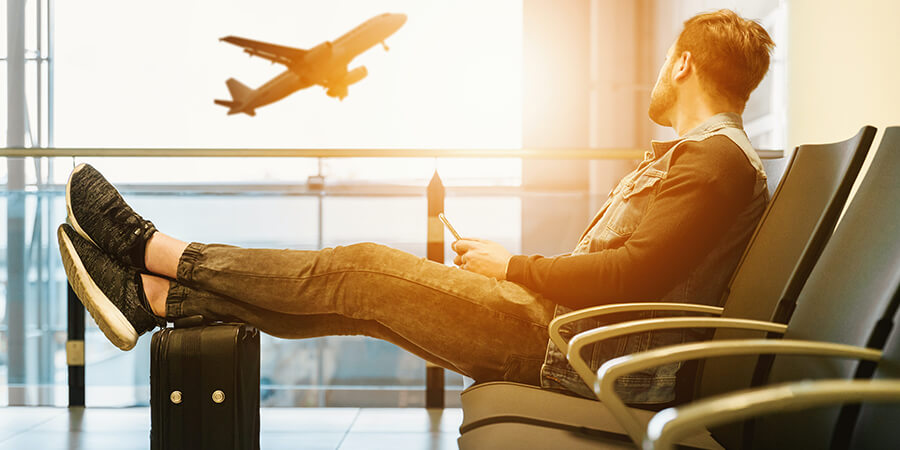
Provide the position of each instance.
(367, 247)
(369, 255)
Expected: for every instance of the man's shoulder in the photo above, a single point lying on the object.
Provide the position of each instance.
(718, 164)
(716, 154)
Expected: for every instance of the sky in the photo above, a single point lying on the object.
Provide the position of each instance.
(133, 74)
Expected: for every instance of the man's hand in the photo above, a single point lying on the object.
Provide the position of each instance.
(482, 256)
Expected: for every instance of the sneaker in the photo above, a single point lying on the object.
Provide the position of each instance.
(113, 293)
(99, 214)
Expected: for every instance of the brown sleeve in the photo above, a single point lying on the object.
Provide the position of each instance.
(708, 184)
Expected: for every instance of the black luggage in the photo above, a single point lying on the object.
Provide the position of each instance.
(204, 387)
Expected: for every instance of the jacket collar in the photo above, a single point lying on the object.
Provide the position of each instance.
(707, 127)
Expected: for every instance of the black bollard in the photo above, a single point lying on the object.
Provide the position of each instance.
(75, 348)
(434, 375)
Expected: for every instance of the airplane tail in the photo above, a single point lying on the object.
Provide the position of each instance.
(239, 93)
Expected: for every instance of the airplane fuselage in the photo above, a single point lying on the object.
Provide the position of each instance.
(366, 36)
(325, 64)
(286, 83)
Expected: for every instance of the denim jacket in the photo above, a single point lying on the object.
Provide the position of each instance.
(610, 228)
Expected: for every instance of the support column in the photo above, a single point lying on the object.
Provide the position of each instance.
(620, 37)
(587, 83)
(15, 212)
(555, 111)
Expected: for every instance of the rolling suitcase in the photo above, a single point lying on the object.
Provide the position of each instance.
(204, 387)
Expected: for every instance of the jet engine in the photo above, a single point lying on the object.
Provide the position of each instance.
(356, 75)
(339, 89)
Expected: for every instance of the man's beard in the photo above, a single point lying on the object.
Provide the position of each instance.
(662, 99)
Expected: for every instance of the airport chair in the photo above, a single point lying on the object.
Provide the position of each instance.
(669, 425)
(870, 426)
(775, 168)
(875, 428)
(846, 309)
(804, 208)
(873, 425)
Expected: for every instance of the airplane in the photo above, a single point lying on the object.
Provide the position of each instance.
(324, 64)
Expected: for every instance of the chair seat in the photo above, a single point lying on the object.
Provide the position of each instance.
(523, 416)
(519, 436)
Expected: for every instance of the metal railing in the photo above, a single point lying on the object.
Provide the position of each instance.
(557, 153)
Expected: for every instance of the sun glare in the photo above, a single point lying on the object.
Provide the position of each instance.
(129, 75)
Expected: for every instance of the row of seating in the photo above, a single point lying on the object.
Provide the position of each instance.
(812, 299)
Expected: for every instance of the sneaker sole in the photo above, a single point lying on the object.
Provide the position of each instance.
(107, 316)
(70, 217)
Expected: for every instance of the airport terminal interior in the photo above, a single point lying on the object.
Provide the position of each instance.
(309, 125)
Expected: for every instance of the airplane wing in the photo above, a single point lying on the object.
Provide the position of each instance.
(275, 53)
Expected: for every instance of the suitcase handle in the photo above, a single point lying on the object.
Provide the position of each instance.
(190, 321)
(198, 320)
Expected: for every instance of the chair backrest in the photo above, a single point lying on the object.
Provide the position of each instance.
(876, 426)
(802, 213)
(849, 291)
(774, 172)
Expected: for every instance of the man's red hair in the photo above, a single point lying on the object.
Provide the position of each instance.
(731, 53)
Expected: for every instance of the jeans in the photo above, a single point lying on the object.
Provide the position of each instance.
(485, 329)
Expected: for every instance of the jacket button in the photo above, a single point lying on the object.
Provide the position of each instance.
(218, 396)
(175, 397)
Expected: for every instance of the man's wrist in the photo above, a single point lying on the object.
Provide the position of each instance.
(515, 265)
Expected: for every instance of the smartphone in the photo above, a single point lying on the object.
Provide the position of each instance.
(449, 227)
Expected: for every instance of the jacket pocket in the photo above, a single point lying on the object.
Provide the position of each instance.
(646, 181)
(636, 197)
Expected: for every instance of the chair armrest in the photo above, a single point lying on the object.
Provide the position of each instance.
(615, 368)
(603, 333)
(596, 311)
(672, 424)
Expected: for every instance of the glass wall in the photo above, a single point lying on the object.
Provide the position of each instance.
(331, 370)
(127, 75)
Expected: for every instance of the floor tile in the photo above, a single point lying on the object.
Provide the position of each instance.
(307, 440)
(23, 418)
(6, 434)
(408, 420)
(307, 419)
(78, 440)
(282, 428)
(100, 419)
(393, 441)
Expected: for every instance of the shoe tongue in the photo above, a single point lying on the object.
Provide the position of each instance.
(137, 251)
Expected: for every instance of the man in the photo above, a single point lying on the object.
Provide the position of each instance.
(672, 230)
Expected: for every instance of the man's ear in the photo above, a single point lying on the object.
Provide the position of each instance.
(683, 67)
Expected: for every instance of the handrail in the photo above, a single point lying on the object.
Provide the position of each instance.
(544, 153)
(301, 188)
(560, 153)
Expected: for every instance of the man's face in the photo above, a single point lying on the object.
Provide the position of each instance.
(664, 94)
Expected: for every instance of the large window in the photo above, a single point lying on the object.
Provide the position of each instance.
(130, 75)
(133, 75)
